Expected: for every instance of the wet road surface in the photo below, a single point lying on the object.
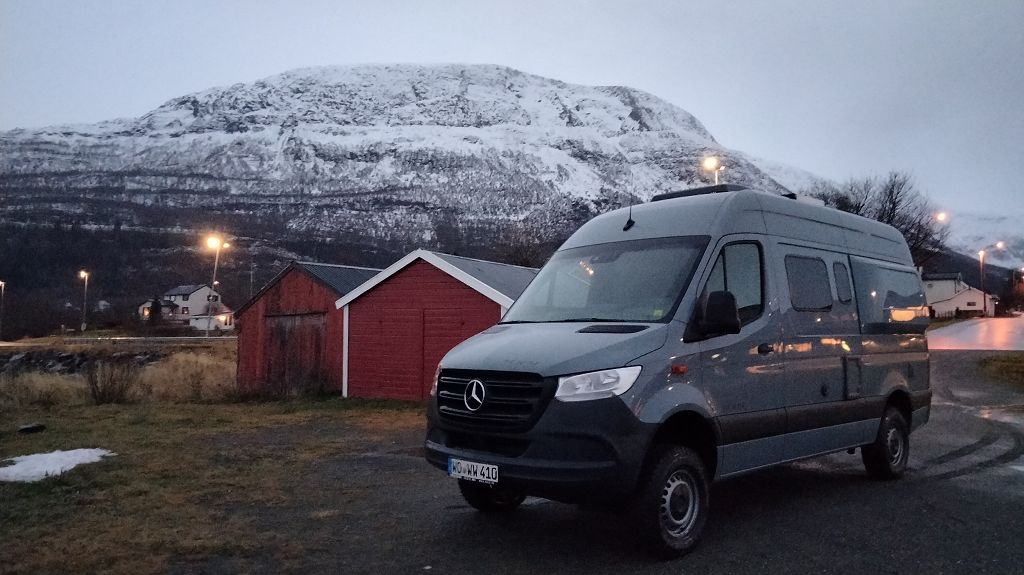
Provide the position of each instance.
(991, 333)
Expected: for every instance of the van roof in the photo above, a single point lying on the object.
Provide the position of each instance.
(747, 211)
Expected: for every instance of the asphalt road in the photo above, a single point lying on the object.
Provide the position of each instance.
(959, 509)
(991, 333)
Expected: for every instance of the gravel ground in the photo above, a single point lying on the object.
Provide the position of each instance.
(377, 507)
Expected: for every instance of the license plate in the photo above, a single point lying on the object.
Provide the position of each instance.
(473, 471)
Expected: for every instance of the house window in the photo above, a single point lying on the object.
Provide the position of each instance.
(173, 297)
(184, 298)
(184, 311)
(972, 304)
(931, 285)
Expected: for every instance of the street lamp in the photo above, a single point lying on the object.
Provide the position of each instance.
(3, 287)
(941, 217)
(713, 164)
(214, 243)
(981, 267)
(84, 275)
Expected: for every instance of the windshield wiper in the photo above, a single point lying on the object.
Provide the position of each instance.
(517, 321)
(591, 319)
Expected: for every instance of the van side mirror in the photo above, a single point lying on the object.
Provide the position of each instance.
(719, 314)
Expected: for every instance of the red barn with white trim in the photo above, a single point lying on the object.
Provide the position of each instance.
(399, 324)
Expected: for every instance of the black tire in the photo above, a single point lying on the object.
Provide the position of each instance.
(490, 498)
(671, 506)
(887, 457)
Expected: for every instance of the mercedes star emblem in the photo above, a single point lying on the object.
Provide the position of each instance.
(474, 396)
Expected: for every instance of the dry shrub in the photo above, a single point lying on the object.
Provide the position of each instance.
(42, 390)
(113, 381)
(191, 377)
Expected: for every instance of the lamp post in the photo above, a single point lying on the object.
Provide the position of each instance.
(84, 275)
(981, 268)
(713, 164)
(216, 244)
(3, 287)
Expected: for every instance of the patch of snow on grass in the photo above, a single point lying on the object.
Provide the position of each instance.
(42, 465)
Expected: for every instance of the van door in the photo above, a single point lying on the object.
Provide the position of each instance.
(821, 333)
(742, 373)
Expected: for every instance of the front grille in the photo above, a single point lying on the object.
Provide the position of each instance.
(513, 402)
(507, 446)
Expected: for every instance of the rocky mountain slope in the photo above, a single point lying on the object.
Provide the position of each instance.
(370, 156)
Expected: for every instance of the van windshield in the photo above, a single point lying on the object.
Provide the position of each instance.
(634, 281)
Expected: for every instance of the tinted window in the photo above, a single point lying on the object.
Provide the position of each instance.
(888, 300)
(843, 289)
(808, 284)
(638, 280)
(738, 270)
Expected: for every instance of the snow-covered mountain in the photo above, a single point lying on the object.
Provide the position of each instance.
(407, 154)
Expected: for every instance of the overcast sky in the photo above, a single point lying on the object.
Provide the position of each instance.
(840, 88)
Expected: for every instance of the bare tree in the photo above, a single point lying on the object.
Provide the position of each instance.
(892, 200)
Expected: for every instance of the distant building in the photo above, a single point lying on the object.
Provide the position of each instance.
(180, 304)
(224, 321)
(947, 293)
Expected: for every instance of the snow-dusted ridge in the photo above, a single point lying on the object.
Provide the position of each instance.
(399, 153)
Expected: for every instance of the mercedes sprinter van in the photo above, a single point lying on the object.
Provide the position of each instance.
(702, 335)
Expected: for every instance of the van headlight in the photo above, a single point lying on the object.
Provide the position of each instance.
(597, 384)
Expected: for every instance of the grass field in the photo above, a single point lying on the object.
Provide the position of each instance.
(1007, 367)
(180, 472)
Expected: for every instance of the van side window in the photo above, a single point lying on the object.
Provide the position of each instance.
(888, 300)
(809, 289)
(738, 270)
(843, 289)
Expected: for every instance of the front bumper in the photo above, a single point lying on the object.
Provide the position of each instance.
(576, 452)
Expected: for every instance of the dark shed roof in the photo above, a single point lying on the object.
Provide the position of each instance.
(508, 279)
(340, 279)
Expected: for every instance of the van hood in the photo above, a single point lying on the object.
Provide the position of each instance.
(552, 349)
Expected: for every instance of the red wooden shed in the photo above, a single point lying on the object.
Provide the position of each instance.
(399, 324)
(290, 334)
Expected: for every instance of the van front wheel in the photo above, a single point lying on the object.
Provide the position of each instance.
(672, 504)
(887, 457)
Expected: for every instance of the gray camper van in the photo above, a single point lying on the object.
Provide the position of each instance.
(702, 335)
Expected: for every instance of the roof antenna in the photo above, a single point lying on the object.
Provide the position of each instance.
(629, 220)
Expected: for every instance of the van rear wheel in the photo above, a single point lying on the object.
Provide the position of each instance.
(672, 505)
(490, 498)
(886, 457)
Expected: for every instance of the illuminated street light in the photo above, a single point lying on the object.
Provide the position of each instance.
(942, 217)
(214, 243)
(84, 275)
(713, 164)
(981, 265)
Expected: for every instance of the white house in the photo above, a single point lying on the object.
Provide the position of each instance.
(947, 293)
(180, 304)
